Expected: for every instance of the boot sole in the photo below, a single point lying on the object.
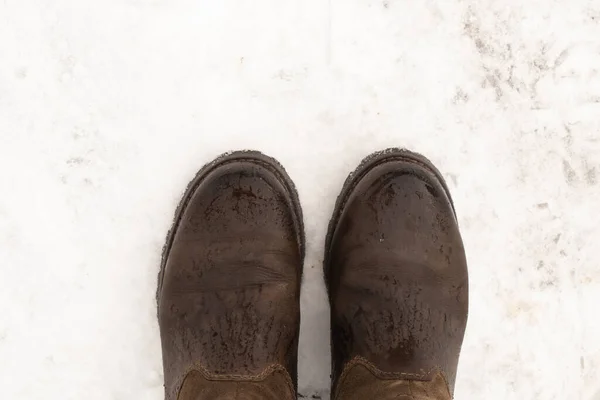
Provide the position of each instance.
(238, 156)
(366, 165)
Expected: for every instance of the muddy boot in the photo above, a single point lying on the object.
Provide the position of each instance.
(229, 286)
(397, 279)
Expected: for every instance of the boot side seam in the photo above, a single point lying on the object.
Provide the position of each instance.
(236, 377)
(359, 360)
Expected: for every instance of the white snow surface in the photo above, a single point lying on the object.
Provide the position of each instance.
(108, 108)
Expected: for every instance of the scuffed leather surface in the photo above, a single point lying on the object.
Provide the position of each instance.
(230, 293)
(398, 280)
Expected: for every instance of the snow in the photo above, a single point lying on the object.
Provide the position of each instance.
(107, 109)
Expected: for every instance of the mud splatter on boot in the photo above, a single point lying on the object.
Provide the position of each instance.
(397, 277)
(229, 286)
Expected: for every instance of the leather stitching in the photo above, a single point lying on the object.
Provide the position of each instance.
(206, 374)
(359, 360)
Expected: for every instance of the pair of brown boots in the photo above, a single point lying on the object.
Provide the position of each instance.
(395, 269)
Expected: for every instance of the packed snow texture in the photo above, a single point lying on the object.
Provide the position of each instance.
(108, 108)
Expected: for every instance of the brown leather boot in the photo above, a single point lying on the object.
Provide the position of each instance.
(229, 286)
(397, 278)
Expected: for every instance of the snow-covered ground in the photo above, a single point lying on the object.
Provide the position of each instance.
(108, 108)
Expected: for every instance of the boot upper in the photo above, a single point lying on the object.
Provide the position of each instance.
(229, 297)
(397, 273)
